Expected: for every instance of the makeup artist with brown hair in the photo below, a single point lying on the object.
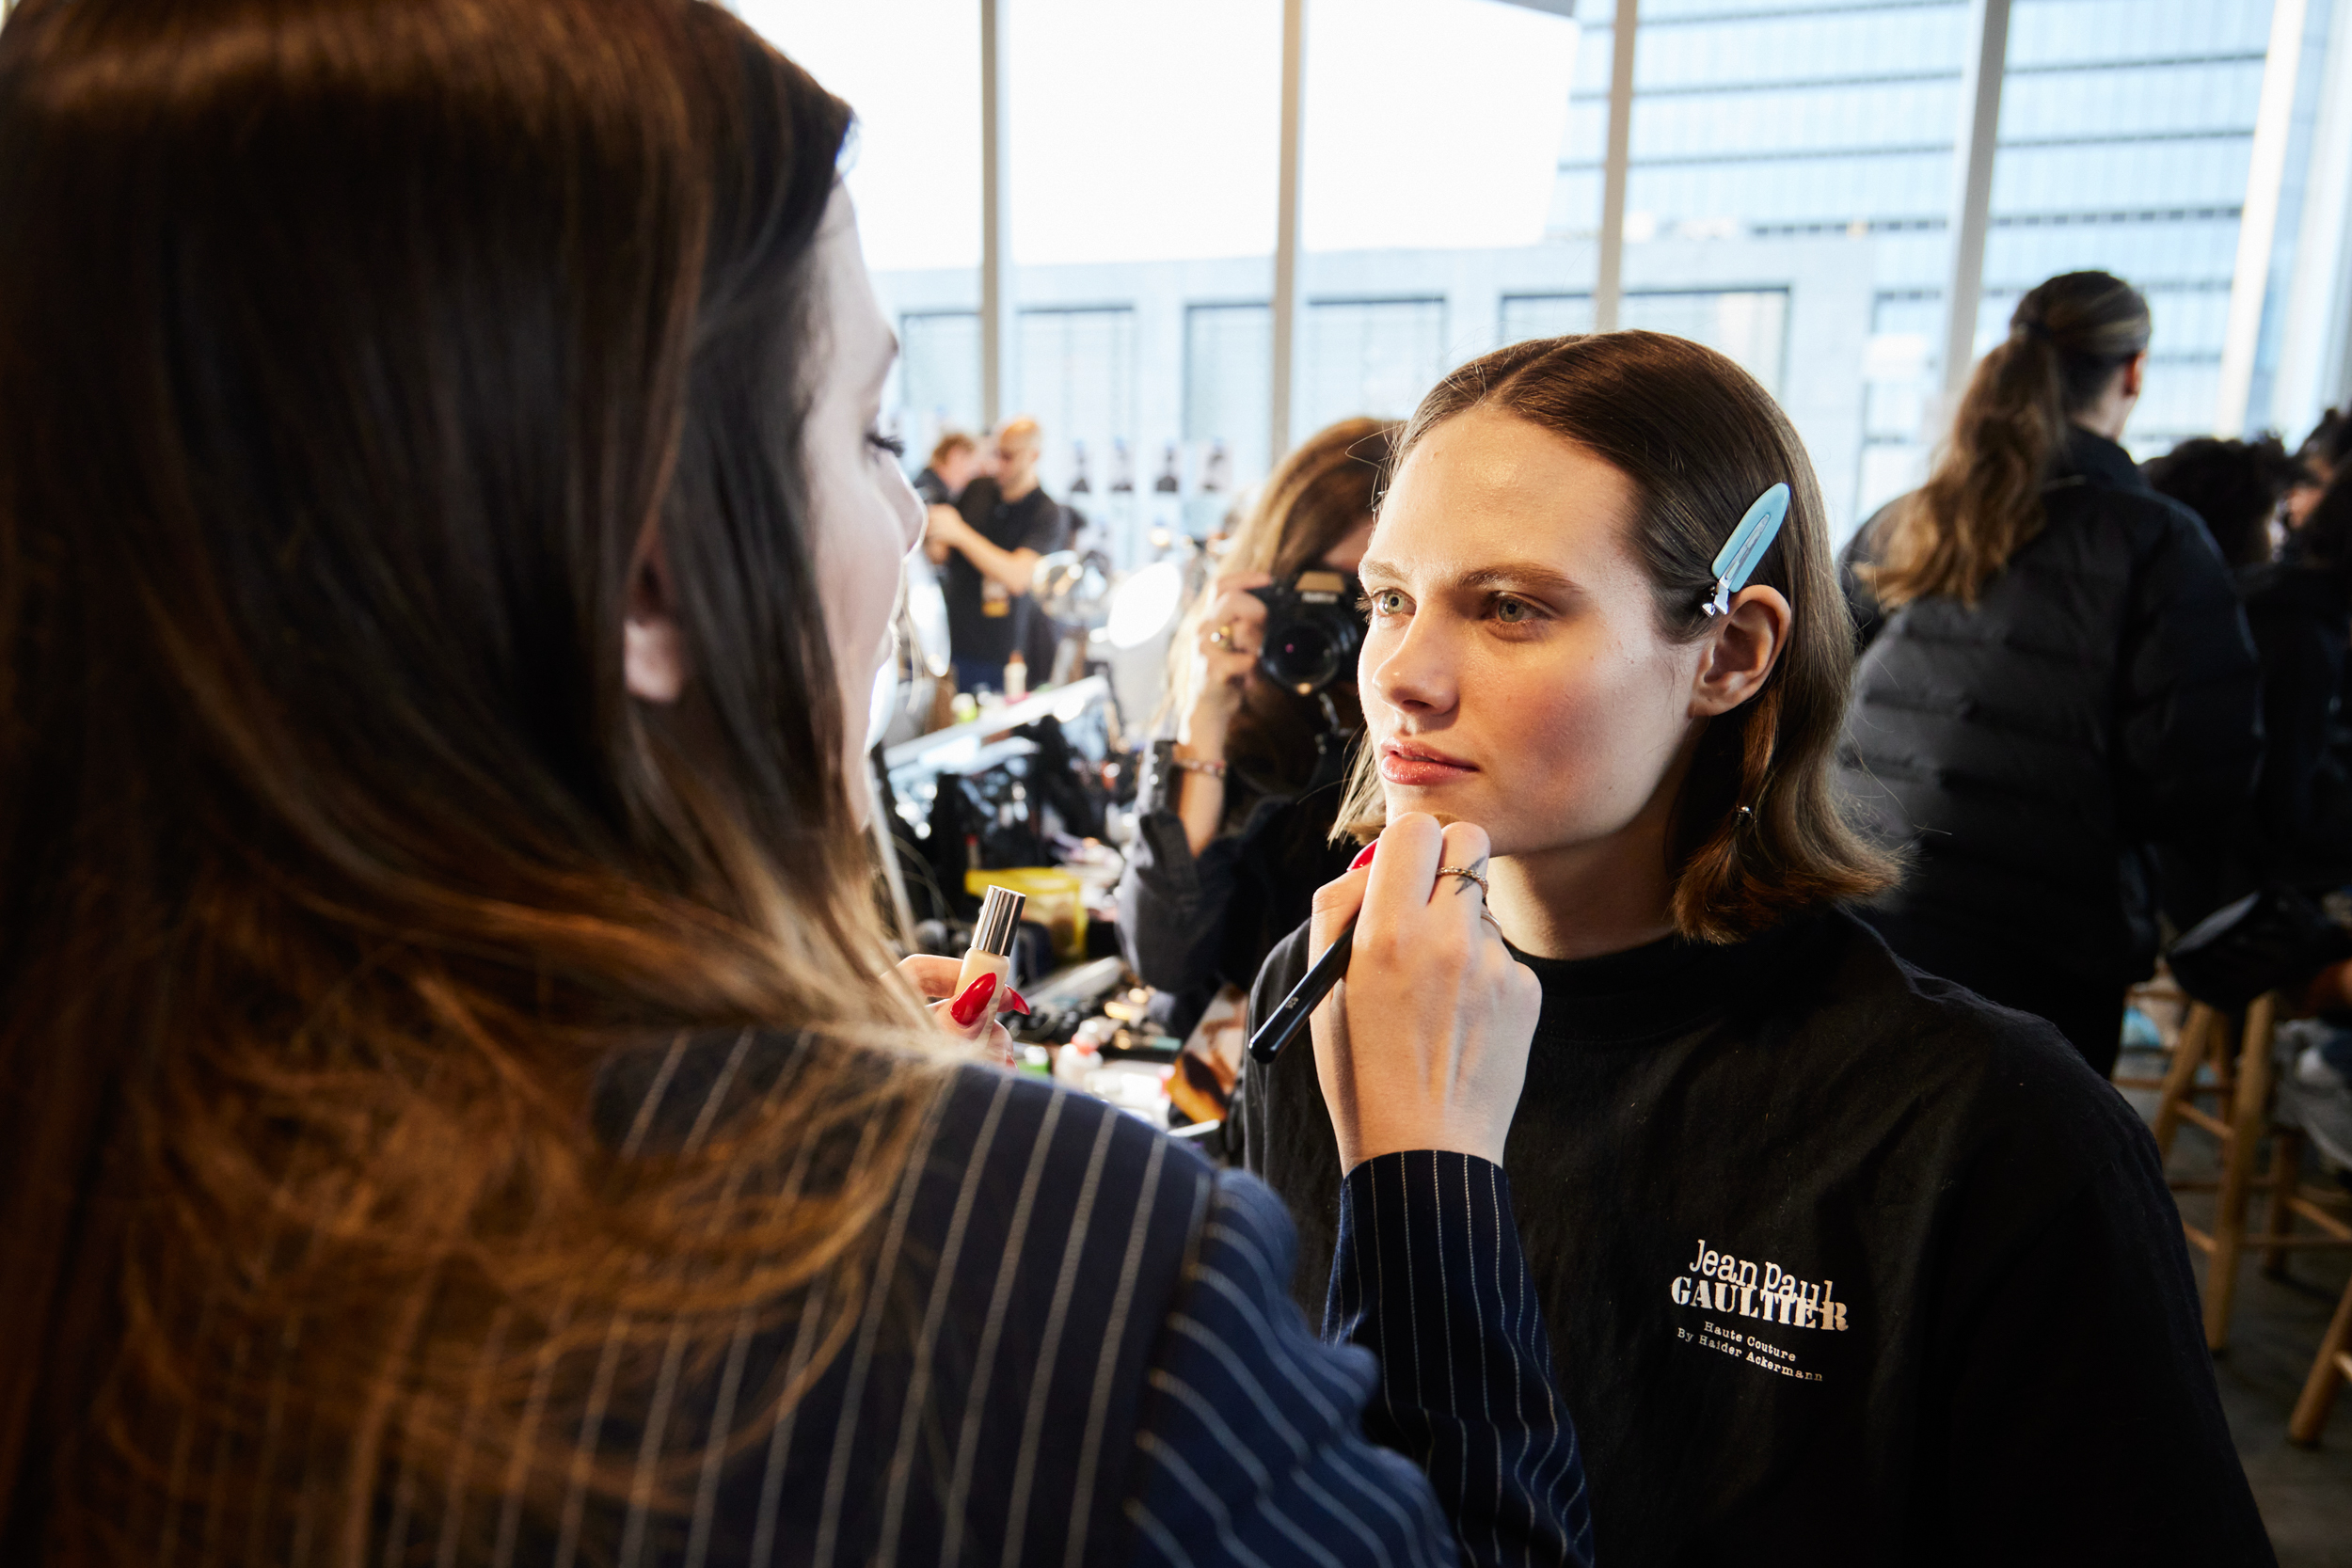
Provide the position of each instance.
(457, 1107)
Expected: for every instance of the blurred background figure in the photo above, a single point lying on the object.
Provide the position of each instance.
(1234, 834)
(2236, 486)
(991, 540)
(2322, 454)
(2055, 673)
(955, 463)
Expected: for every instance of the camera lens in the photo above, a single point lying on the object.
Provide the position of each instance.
(1302, 655)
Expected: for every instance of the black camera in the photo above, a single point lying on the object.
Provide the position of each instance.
(1313, 627)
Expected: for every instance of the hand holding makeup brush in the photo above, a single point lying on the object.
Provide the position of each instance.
(1425, 1044)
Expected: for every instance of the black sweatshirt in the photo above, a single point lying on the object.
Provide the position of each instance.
(1841, 1263)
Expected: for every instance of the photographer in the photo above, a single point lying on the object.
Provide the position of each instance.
(1234, 839)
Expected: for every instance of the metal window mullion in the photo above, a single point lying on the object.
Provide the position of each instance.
(1283, 369)
(1972, 187)
(2315, 354)
(1609, 281)
(996, 212)
(2258, 224)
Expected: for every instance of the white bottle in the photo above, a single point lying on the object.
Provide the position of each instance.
(1016, 677)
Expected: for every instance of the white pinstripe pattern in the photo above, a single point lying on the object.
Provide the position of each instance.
(934, 1311)
(869, 1329)
(968, 1442)
(1049, 1347)
(1114, 1337)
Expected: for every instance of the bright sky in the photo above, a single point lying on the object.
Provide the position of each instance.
(1145, 130)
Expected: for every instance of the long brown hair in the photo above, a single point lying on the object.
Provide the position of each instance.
(2067, 340)
(1701, 441)
(353, 358)
(1317, 496)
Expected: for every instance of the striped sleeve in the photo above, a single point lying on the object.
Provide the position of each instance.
(1429, 1277)
(1253, 1449)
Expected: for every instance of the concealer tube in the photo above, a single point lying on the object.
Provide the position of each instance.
(991, 952)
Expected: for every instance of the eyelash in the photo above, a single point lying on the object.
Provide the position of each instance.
(890, 444)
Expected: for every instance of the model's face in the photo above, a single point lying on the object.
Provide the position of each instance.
(867, 517)
(1515, 674)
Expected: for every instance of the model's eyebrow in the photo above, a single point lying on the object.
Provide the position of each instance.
(1527, 576)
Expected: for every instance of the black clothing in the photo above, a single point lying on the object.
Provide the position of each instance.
(1843, 1264)
(2099, 697)
(2297, 830)
(1035, 522)
(1189, 925)
(933, 488)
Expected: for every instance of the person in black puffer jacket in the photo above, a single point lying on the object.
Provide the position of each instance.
(2055, 673)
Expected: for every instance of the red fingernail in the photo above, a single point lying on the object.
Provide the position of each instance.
(968, 1006)
(1013, 1003)
(1364, 855)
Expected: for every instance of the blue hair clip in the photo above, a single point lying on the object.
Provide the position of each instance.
(1737, 559)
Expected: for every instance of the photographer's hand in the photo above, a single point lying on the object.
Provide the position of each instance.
(1225, 650)
(1425, 1044)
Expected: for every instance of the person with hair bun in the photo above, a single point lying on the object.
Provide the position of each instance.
(1857, 1266)
(2056, 674)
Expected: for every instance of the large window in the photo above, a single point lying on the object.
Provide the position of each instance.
(1372, 356)
(1077, 380)
(1228, 357)
(1750, 326)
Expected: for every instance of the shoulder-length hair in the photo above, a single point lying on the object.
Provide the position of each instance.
(353, 357)
(1318, 495)
(1758, 831)
(1983, 502)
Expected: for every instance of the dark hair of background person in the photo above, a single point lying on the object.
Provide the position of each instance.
(2067, 340)
(1317, 496)
(1701, 441)
(2324, 543)
(2331, 441)
(354, 358)
(2233, 486)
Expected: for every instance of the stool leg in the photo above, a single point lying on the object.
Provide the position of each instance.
(2188, 1054)
(2247, 1113)
(2319, 1390)
(2286, 1167)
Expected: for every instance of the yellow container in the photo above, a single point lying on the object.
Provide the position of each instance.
(1056, 901)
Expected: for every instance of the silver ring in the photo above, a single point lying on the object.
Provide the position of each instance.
(1466, 874)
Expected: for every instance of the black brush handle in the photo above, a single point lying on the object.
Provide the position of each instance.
(1286, 1021)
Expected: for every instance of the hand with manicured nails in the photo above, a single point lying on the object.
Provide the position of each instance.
(935, 977)
(1425, 1044)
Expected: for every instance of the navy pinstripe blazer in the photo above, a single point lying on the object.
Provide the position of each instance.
(1087, 1353)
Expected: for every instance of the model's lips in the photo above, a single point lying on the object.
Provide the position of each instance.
(1420, 767)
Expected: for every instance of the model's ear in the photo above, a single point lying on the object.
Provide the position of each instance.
(653, 652)
(1740, 649)
(2134, 370)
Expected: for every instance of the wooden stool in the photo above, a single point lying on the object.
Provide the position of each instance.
(2329, 1370)
(2239, 1122)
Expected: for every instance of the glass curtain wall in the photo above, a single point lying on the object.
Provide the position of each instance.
(908, 68)
(2126, 131)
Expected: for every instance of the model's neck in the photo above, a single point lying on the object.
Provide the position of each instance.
(1586, 900)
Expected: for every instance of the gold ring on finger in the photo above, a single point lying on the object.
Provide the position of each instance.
(1466, 874)
(1222, 637)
